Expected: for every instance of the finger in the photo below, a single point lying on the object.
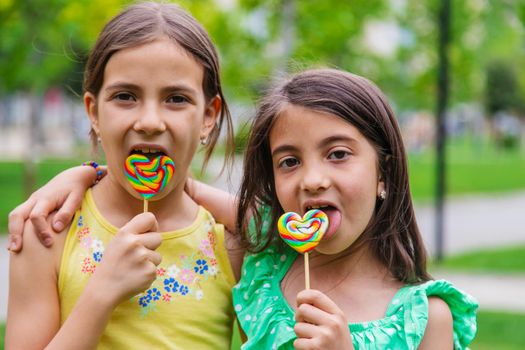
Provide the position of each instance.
(150, 240)
(67, 211)
(154, 257)
(310, 314)
(17, 218)
(38, 217)
(303, 344)
(144, 222)
(305, 330)
(317, 299)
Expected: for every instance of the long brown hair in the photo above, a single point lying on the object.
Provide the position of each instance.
(392, 233)
(144, 22)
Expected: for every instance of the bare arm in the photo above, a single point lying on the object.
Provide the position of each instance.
(128, 266)
(64, 192)
(223, 206)
(439, 331)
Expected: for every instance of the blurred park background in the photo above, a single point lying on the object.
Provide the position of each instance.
(43, 128)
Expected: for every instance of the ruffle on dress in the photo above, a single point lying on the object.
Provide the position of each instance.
(268, 320)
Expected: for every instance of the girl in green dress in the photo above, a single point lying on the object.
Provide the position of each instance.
(328, 139)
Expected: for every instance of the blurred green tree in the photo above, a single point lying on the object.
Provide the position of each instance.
(43, 44)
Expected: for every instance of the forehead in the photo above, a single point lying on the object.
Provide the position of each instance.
(300, 124)
(161, 61)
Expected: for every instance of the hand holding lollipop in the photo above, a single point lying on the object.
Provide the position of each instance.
(148, 177)
(303, 233)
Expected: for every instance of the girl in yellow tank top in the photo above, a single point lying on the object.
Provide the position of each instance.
(118, 280)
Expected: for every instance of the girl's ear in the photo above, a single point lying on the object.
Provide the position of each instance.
(90, 103)
(211, 113)
(380, 188)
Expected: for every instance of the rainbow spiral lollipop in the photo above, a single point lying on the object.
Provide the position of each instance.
(303, 233)
(148, 177)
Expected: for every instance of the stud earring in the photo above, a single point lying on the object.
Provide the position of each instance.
(204, 141)
(382, 195)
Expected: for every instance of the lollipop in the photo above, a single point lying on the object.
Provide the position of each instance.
(303, 233)
(148, 177)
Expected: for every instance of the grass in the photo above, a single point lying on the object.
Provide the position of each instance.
(496, 330)
(472, 167)
(501, 260)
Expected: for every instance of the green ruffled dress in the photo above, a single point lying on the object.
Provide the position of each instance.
(268, 320)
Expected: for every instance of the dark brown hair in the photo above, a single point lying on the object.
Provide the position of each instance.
(144, 22)
(392, 234)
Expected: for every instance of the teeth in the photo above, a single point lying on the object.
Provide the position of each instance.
(146, 150)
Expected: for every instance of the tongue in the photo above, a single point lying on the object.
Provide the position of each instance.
(150, 155)
(334, 220)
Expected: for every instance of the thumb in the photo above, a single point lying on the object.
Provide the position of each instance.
(143, 222)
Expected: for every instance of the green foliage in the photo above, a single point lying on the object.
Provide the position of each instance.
(44, 42)
(507, 259)
(502, 91)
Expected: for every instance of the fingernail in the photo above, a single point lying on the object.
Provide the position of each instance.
(58, 225)
(48, 241)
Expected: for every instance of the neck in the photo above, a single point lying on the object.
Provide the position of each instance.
(347, 266)
(173, 211)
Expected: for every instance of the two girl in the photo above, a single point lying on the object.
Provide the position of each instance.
(115, 279)
(328, 139)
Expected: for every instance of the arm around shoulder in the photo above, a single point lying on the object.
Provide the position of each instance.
(439, 332)
(34, 317)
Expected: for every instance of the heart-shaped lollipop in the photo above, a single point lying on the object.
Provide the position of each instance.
(303, 233)
(149, 177)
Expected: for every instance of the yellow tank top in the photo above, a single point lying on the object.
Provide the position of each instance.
(189, 306)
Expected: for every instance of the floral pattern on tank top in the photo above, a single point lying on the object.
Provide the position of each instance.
(182, 278)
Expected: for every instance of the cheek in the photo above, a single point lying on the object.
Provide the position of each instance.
(282, 190)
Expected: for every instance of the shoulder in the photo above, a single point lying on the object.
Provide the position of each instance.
(440, 308)
(439, 329)
(33, 276)
(34, 254)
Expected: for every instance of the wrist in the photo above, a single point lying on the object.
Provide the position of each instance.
(97, 171)
(96, 292)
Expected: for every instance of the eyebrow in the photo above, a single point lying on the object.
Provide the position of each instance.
(324, 142)
(283, 149)
(337, 138)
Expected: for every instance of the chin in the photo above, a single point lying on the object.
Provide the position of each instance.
(333, 246)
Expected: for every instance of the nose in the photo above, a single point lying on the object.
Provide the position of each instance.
(315, 179)
(150, 120)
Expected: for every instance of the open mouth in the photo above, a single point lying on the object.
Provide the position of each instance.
(334, 218)
(149, 152)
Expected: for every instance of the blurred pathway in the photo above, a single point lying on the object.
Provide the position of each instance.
(492, 291)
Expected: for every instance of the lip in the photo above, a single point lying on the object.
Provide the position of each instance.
(154, 146)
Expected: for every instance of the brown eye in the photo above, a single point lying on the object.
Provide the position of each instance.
(177, 99)
(289, 162)
(124, 96)
(338, 155)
